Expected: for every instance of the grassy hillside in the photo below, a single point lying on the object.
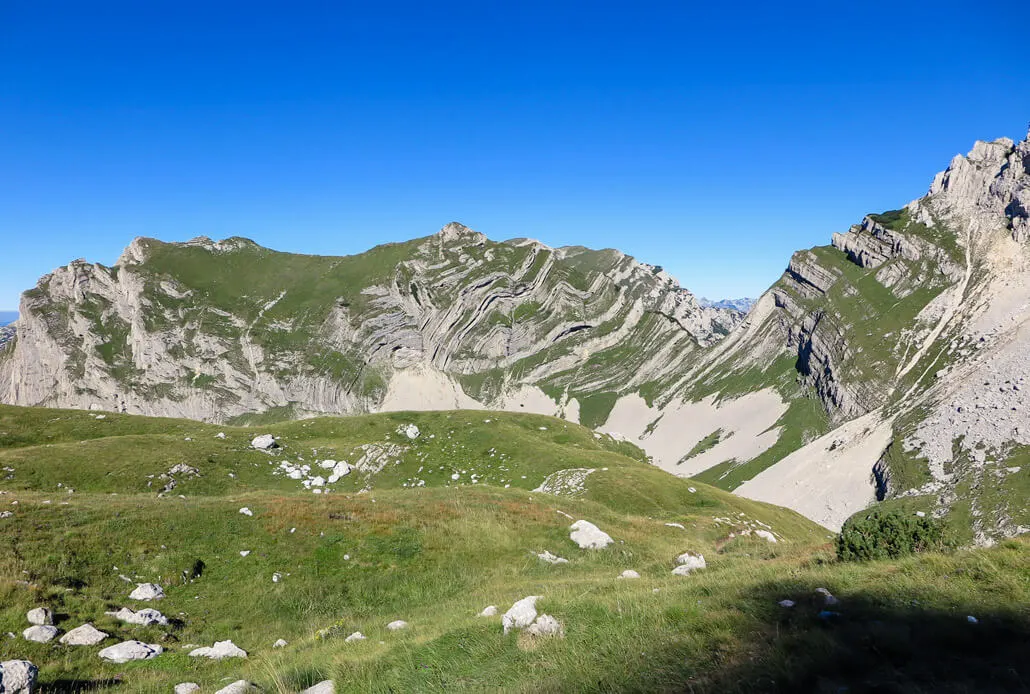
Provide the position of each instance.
(374, 547)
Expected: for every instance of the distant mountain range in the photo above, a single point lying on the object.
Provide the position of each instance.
(7, 317)
(743, 305)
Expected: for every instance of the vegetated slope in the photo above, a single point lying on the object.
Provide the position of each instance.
(372, 547)
(897, 358)
(211, 330)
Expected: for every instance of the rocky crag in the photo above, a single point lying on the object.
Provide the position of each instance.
(887, 365)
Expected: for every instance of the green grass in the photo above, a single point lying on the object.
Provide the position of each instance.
(705, 444)
(435, 555)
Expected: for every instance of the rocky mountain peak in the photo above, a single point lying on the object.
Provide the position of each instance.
(458, 232)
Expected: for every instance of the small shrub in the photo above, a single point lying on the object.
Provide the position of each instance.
(889, 535)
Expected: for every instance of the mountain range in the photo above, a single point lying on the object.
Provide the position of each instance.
(889, 365)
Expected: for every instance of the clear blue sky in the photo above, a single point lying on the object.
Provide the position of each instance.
(710, 138)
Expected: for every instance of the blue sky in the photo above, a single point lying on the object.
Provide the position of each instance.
(711, 138)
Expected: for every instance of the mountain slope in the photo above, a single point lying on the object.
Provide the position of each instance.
(212, 330)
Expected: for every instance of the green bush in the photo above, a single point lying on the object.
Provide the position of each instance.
(889, 535)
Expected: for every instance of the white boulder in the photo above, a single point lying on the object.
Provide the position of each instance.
(325, 687)
(489, 611)
(551, 558)
(409, 430)
(521, 614)
(18, 676)
(40, 616)
(589, 536)
(687, 562)
(629, 573)
(397, 624)
(144, 617)
(40, 633)
(263, 442)
(238, 687)
(546, 625)
(766, 535)
(130, 650)
(246, 511)
(186, 688)
(281, 643)
(221, 649)
(147, 591)
(86, 635)
(356, 636)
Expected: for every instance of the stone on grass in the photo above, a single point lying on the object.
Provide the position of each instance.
(397, 624)
(766, 535)
(18, 677)
(246, 511)
(629, 573)
(589, 536)
(521, 614)
(324, 687)
(356, 636)
(86, 635)
(221, 649)
(281, 643)
(144, 617)
(409, 430)
(687, 562)
(238, 687)
(489, 611)
(40, 616)
(187, 688)
(40, 633)
(972, 620)
(552, 558)
(130, 650)
(263, 442)
(787, 603)
(147, 591)
(546, 625)
(828, 598)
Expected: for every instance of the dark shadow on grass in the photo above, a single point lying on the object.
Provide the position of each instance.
(867, 646)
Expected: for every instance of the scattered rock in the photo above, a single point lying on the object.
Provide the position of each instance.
(18, 677)
(147, 591)
(276, 577)
(551, 558)
(40, 633)
(409, 430)
(691, 490)
(972, 620)
(676, 525)
(787, 603)
(220, 435)
(263, 442)
(244, 552)
(546, 625)
(238, 687)
(40, 616)
(589, 536)
(489, 611)
(186, 688)
(828, 598)
(687, 562)
(629, 573)
(86, 635)
(221, 649)
(397, 624)
(521, 614)
(6, 514)
(766, 535)
(281, 643)
(326, 687)
(130, 650)
(144, 617)
(246, 512)
(356, 636)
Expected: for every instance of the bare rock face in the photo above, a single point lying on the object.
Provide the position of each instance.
(169, 330)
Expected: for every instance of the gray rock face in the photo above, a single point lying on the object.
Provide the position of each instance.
(18, 677)
(86, 635)
(454, 304)
(130, 650)
(40, 616)
(142, 617)
(40, 633)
